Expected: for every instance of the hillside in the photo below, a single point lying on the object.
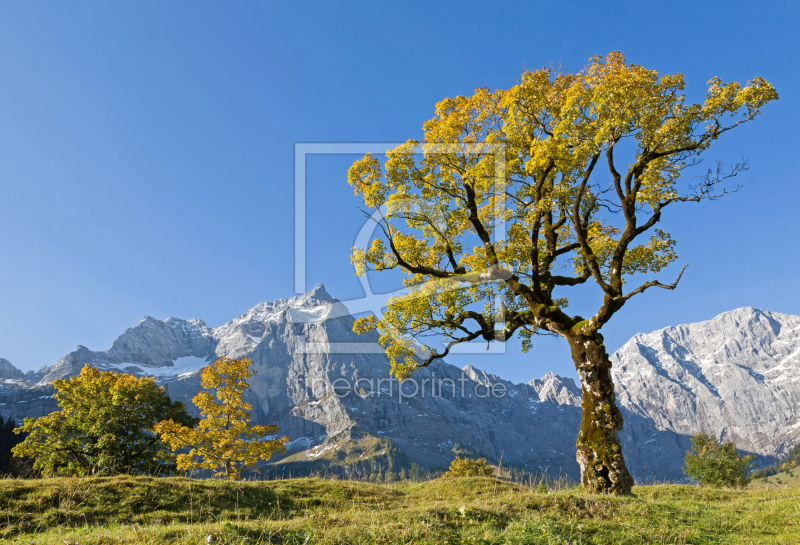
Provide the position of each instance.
(128, 510)
(783, 479)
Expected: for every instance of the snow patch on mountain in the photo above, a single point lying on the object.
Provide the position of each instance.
(180, 368)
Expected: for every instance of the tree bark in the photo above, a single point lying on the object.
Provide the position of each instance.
(599, 452)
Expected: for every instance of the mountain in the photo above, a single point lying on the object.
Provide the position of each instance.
(9, 372)
(330, 393)
(736, 375)
(329, 390)
(20, 396)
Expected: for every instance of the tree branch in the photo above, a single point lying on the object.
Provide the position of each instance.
(580, 231)
(655, 284)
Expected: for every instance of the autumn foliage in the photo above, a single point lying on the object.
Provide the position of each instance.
(465, 467)
(224, 441)
(104, 426)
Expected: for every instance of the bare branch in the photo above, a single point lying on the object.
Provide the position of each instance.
(704, 190)
(655, 284)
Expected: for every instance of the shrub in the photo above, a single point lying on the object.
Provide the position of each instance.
(715, 463)
(464, 467)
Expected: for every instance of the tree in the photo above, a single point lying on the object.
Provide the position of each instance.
(464, 467)
(8, 440)
(715, 463)
(104, 426)
(506, 195)
(417, 472)
(224, 440)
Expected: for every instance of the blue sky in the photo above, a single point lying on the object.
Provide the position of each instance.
(147, 151)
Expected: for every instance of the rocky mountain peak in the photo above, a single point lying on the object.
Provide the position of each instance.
(320, 294)
(479, 375)
(318, 299)
(558, 389)
(197, 322)
(8, 371)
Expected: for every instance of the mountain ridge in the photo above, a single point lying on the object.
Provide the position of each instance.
(295, 387)
(735, 375)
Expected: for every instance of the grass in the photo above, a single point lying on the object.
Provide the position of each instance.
(143, 510)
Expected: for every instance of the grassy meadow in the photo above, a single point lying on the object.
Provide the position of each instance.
(142, 510)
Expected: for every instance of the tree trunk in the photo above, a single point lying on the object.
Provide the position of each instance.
(599, 453)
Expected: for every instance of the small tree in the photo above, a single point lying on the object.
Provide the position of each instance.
(716, 463)
(105, 426)
(464, 467)
(224, 441)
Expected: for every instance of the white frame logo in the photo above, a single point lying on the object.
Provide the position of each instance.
(373, 302)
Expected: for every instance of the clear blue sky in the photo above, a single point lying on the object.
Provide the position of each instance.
(146, 150)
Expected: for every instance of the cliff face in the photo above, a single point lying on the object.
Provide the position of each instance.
(151, 343)
(8, 371)
(737, 375)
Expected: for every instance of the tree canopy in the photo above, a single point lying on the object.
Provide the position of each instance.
(224, 441)
(787, 463)
(553, 132)
(515, 195)
(104, 426)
